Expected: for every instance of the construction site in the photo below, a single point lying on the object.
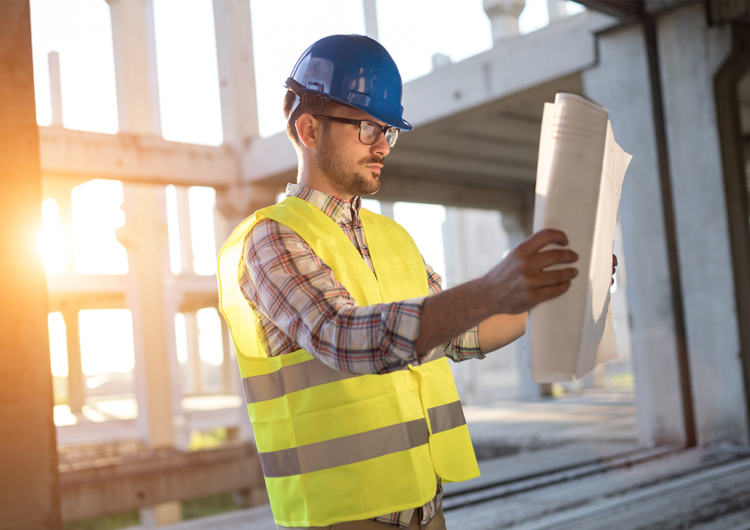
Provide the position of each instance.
(121, 403)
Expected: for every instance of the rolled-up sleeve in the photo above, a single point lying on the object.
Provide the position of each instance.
(298, 292)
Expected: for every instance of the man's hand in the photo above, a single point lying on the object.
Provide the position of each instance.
(519, 281)
(501, 297)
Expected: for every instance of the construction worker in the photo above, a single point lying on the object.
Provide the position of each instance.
(342, 331)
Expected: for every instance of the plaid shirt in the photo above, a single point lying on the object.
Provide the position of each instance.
(301, 305)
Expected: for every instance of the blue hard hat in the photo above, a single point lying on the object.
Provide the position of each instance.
(354, 70)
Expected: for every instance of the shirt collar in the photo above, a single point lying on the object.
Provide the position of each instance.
(341, 211)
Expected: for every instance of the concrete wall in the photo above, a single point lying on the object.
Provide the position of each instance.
(691, 53)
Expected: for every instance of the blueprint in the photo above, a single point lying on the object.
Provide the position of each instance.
(579, 178)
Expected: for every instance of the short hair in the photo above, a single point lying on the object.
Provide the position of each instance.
(328, 108)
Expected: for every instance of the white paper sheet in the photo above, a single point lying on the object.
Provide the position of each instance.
(579, 178)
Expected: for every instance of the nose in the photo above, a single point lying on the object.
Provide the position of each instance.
(381, 147)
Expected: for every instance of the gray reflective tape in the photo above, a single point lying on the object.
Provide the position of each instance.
(282, 463)
(345, 450)
(263, 387)
(446, 417)
(290, 379)
(311, 373)
(301, 376)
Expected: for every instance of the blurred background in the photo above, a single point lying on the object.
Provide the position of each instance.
(160, 129)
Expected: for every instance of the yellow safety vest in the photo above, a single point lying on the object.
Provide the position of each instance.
(336, 446)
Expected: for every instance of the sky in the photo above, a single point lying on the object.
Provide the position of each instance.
(80, 31)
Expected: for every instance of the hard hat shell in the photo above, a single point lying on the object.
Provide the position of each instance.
(354, 70)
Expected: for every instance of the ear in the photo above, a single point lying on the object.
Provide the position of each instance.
(308, 130)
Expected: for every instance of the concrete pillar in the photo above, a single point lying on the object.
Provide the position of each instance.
(134, 46)
(440, 60)
(193, 353)
(620, 83)
(556, 10)
(183, 220)
(691, 53)
(503, 15)
(76, 385)
(29, 492)
(146, 239)
(386, 208)
(371, 18)
(55, 88)
(173, 299)
(144, 235)
(234, 51)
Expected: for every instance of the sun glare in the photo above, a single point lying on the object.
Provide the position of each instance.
(58, 348)
(106, 341)
(202, 202)
(53, 239)
(209, 336)
(96, 216)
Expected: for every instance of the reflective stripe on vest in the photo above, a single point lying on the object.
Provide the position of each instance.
(298, 377)
(336, 446)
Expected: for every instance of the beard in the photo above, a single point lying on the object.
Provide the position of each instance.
(348, 176)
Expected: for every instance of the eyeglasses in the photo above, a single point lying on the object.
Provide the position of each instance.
(369, 131)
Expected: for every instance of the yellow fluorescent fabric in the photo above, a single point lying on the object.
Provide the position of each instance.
(299, 409)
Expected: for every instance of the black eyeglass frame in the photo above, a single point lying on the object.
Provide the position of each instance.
(383, 129)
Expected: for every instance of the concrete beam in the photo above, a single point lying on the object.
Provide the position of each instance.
(534, 59)
(159, 477)
(133, 158)
(418, 187)
(466, 90)
(29, 495)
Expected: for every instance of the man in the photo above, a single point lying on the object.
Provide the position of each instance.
(342, 353)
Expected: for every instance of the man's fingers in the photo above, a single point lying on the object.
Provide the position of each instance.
(548, 293)
(614, 264)
(541, 239)
(547, 258)
(548, 278)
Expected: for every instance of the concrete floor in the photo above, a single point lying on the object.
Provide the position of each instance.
(574, 462)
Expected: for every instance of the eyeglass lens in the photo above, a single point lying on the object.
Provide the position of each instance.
(369, 133)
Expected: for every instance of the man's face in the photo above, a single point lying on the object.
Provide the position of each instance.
(350, 165)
